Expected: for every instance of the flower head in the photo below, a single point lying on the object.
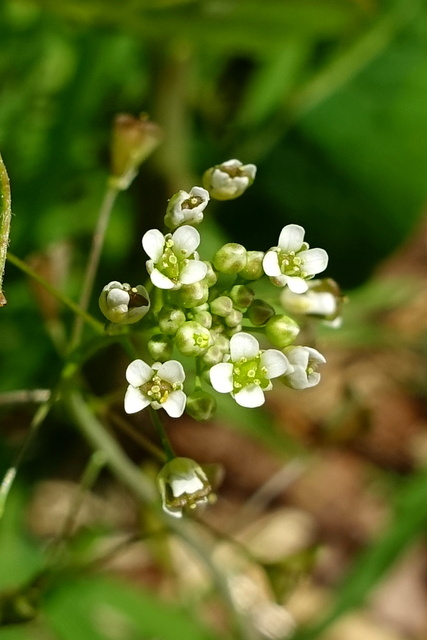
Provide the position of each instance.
(123, 304)
(159, 386)
(186, 208)
(291, 263)
(323, 299)
(248, 372)
(229, 180)
(173, 258)
(303, 372)
(182, 485)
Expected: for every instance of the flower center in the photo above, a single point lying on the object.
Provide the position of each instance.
(247, 372)
(291, 264)
(192, 203)
(168, 263)
(158, 390)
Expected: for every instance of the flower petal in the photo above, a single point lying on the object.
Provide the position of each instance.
(251, 396)
(243, 345)
(314, 261)
(296, 284)
(221, 376)
(189, 484)
(175, 404)
(160, 280)
(291, 237)
(138, 372)
(153, 243)
(275, 362)
(171, 371)
(135, 400)
(193, 271)
(270, 264)
(186, 240)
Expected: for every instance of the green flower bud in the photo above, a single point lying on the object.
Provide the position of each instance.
(241, 296)
(210, 277)
(201, 405)
(213, 355)
(123, 304)
(192, 339)
(170, 319)
(160, 347)
(192, 295)
(260, 312)
(230, 258)
(234, 318)
(182, 485)
(221, 306)
(222, 342)
(253, 269)
(281, 331)
(203, 317)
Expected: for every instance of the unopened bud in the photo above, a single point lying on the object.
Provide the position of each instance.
(229, 180)
(221, 306)
(242, 296)
(210, 277)
(192, 339)
(122, 304)
(170, 319)
(234, 318)
(322, 299)
(253, 269)
(281, 331)
(192, 295)
(201, 405)
(214, 355)
(231, 258)
(160, 347)
(260, 312)
(133, 140)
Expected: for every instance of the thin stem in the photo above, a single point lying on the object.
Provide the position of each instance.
(85, 317)
(137, 436)
(5, 217)
(107, 204)
(166, 444)
(25, 396)
(144, 490)
(93, 468)
(10, 475)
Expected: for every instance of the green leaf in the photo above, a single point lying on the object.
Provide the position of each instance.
(97, 608)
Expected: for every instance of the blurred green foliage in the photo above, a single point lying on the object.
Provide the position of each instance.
(327, 97)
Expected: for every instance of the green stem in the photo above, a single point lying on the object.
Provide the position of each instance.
(10, 475)
(5, 217)
(158, 425)
(86, 317)
(107, 204)
(144, 490)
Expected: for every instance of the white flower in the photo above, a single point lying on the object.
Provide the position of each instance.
(123, 304)
(229, 180)
(182, 484)
(248, 372)
(291, 263)
(323, 299)
(173, 258)
(186, 208)
(159, 385)
(304, 362)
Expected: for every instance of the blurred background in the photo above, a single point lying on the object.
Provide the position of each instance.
(329, 99)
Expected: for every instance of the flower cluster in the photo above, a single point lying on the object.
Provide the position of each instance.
(208, 310)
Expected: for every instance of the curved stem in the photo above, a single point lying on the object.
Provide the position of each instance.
(85, 317)
(108, 201)
(5, 217)
(158, 425)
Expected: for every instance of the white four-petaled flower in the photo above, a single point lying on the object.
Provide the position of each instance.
(182, 485)
(159, 385)
(186, 208)
(291, 263)
(173, 258)
(303, 372)
(248, 372)
(229, 180)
